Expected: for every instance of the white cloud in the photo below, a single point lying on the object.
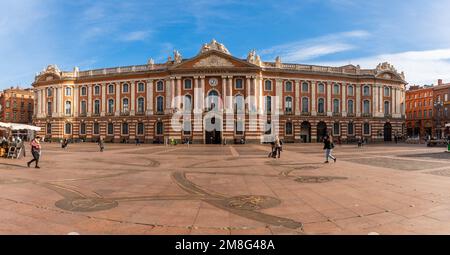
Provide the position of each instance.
(136, 36)
(316, 47)
(420, 67)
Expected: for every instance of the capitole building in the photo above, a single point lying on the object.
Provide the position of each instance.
(215, 97)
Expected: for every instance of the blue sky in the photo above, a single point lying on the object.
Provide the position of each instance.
(413, 35)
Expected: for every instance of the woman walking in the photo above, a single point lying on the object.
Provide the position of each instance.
(35, 151)
(328, 147)
(278, 146)
(101, 144)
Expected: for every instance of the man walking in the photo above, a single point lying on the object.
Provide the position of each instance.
(328, 147)
(35, 151)
(101, 144)
(278, 146)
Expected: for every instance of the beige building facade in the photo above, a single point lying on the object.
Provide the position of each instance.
(215, 97)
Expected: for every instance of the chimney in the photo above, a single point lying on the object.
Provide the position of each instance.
(439, 82)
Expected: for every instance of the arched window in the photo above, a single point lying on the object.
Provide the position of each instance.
(305, 105)
(366, 107)
(96, 128)
(187, 105)
(336, 106)
(336, 89)
(288, 105)
(82, 128)
(110, 128)
(160, 104)
(288, 86)
(321, 88)
(239, 84)
(68, 129)
(83, 91)
(351, 128)
(160, 86)
(125, 88)
(366, 91)
(289, 128)
(97, 107)
(97, 90)
(68, 108)
(110, 89)
(305, 87)
(140, 128)
(159, 128)
(141, 87)
(111, 106)
(83, 107)
(387, 107)
(336, 128)
(141, 105)
(366, 128)
(188, 84)
(213, 100)
(239, 104)
(268, 85)
(350, 91)
(350, 107)
(68, 91)
(49, 108)
(49, 128)
(125, 128)
(268, 104)
(386, 91)
(125, 105)
(321, 105)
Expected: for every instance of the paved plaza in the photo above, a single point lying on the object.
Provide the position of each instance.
(200, 189)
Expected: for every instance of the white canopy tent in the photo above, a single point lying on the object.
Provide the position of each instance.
(16, 126)
(447, 125)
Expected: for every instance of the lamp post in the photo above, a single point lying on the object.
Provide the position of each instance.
(438, 105)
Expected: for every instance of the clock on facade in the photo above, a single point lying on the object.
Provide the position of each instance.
(213, 82)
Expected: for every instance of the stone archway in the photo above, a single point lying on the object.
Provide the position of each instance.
(321, 131)
(305, 132)
(387, 132)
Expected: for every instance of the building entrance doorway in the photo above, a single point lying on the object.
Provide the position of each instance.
(213, 131)
(321, 131)
(387, 132)
(305, 132)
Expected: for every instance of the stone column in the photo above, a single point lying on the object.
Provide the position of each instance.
(44, 102)
(61, 109)
(179, 101)
(39, 103)
(197, 95)
(344, 99)
(202, 89)
(75, 101)
(118, 99)
(374, 100)
(168, 84)
(133, 98)
(89, 109)
(248, 98)
(172, 93)
(224, 93)
(103, 112)
(260, 94)
(313, 98)
(55, 102)
(149, 97)
(329, 109)
(297, 97)
(230, 94)
(279, 96)
(358, 100)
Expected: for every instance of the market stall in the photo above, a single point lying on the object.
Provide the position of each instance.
(12, 144)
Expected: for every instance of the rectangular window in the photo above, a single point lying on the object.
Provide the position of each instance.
(96, 128)
(140, 128)
(350, 130)
(187, 84)
(110, 128)
(239, 84)
(186, 128)
(239, 127)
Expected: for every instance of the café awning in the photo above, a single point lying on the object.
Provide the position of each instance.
(16, 126)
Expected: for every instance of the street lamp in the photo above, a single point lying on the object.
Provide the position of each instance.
(438, 105)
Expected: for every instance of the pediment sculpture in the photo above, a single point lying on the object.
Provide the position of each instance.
(213, 61)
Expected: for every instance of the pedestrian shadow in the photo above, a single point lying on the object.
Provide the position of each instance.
(13, 165)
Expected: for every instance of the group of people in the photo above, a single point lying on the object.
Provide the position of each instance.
(328, 146)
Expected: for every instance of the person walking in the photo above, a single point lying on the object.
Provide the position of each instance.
(278, 146)
(35, 151)
(328, 147)
(101, 144)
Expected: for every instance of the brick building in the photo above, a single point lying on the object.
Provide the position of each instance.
(16, 105)
(219, 96)
(441, 109)
(419, 111)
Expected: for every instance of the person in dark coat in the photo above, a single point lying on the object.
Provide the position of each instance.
(328, 147)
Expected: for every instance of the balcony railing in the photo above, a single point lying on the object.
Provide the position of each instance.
(351, 115)
(321, 114)
(124, 113)
(110, 114)
(140, 113)
(288, 113)
(159, 113)
(388, 115)
(305, 114)
(337, 114)
(366, 115)
(82, 114)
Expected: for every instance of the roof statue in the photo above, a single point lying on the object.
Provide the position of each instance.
(254, 58)
(278, 62)
(177, 57)
(151, 62)
(214, 45)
